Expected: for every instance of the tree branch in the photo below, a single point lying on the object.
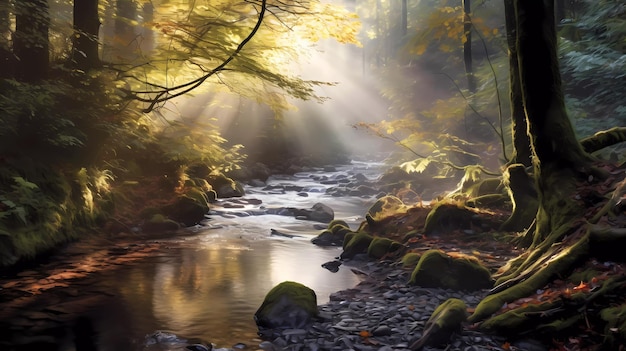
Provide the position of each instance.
(166, 94)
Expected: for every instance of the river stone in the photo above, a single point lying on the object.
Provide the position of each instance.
(289, 305)
(321, 213)
(461, 273)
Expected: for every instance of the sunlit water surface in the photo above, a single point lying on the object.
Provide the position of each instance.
(208, 285)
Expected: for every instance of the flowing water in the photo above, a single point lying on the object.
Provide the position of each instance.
(204, 285)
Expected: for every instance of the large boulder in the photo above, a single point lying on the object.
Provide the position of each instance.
(289, 305)
(436, 269)
(224, 186)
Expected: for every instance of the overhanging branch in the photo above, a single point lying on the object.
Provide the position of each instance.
(168, 93)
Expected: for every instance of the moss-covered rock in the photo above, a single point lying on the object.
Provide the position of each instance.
(446, 320)
(410, 260)
(357, 244)
(287, 305)
(386, 205)
(379, 247)
(436, 269)
(334, 235)
(190, 208)
(159, 223)
(447, 216)
(337, 222)
(225, 187)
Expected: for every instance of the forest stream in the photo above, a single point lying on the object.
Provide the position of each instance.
(203, 284)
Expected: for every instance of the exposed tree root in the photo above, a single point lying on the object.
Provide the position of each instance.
(603, 139)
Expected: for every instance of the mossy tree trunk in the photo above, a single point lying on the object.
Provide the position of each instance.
(521, 141)
(560, 164)
(558, 158)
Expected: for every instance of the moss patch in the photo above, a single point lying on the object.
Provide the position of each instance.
(358, 243)
(410, 259)
(287, 305)
(436, 269)
(379, 247)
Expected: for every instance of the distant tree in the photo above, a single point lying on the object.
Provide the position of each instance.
(6, 57)
(85, 55)
(30, 41)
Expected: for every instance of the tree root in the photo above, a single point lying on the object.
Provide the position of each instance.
(603, 139)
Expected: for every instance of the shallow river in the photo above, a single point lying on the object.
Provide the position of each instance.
(203, 285)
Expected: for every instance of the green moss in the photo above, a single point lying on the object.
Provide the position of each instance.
(386, 205)
(337, 222)
(358, 243)
(615, 318)
(447, 216)
(411, 234)
(517, 320)
(289, 304)
(379, 247)
(558, 264)
(347, 239)
(449, 315)
(460, 273)
(410, 260)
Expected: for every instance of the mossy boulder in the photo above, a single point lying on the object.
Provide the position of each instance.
(446, 320)
(288, 305)
(386, 205)
(436, 269)
(410, 260)
(334, 235)
(379, 247)
(158, 224)
(190, 208)
(448, 216)
(224, 186)
(357, 244)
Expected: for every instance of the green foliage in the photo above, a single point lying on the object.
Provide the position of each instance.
(236, 46)
(593, 64)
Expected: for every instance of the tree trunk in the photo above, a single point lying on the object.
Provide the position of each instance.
(86, 26)
(558, 157)
(521, 141)
(560, 165)
(31, 43)
(467, 46)
(7, 61)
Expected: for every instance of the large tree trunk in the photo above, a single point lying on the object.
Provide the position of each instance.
(31, 43)
(86, 26)
(521, 141)
(558, 157)
(560, 165)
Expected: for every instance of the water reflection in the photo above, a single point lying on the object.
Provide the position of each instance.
(211, 291)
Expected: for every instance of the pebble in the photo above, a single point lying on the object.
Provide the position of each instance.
(382, 314)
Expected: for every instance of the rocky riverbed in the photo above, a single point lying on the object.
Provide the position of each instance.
(383, 313)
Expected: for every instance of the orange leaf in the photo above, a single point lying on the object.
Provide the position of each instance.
(365, 334)
(581, 286)
(506, 346)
